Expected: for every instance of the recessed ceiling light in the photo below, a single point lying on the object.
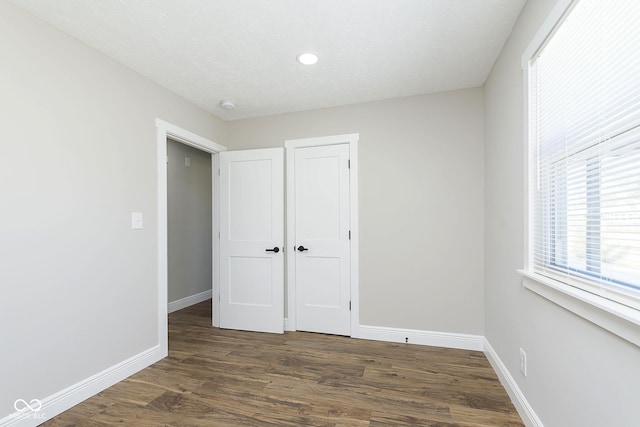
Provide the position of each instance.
(227, 105)
(307, 58)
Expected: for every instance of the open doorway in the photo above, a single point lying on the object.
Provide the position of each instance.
(164, 132)
(190, 225)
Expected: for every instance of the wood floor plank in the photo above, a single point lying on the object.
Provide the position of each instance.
(217, 377)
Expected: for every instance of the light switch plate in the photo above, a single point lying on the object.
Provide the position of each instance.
(136, 221)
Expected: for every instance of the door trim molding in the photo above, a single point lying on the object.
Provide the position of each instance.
(290, 147)
(166, 130)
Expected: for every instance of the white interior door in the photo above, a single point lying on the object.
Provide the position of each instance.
(322, 259)
(251, 240)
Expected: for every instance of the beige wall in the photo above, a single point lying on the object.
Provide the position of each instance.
(578, 374)
(77, 156)
(421, 203)
(189, 218)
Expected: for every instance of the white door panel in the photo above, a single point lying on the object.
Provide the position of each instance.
(318, 196)
(322, 228)
(251, 222)
(251, 279)
(315, 272)
(250, 200)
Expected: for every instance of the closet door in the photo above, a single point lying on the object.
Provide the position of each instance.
(322, 239)
(251, 240)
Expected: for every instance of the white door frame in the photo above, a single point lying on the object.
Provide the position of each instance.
(167, 130)
(290, 147)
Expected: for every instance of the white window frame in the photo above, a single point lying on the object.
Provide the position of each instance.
(620, 319)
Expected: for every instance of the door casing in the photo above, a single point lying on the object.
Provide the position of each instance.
(166, 130)
(290, 147)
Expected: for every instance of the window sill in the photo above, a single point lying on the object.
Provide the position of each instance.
(616, 318)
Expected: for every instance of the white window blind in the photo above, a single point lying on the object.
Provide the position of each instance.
(585, 150)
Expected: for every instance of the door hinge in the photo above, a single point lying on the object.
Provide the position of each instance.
(349, 163)
(218, 235)
(167, 159)
(349, 234)
(349, 305)
(218, 172)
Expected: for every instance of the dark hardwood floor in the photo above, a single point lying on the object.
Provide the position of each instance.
(216, 377)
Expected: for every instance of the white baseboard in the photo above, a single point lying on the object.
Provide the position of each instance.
(523, 407)
(61, 401)
(414, 336)
(190, 300)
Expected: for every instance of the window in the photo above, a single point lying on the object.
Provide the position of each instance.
(584, 154)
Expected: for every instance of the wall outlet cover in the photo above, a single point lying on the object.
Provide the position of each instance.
(523, 362)
(137, 221)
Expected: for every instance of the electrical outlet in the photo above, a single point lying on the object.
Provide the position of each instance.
(523, 362)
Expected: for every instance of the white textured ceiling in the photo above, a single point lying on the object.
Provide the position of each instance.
(245, 50)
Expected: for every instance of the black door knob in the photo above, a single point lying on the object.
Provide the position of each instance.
(276, 250)
(302, 248)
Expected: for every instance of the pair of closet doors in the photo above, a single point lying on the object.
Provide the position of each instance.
(305, 237)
